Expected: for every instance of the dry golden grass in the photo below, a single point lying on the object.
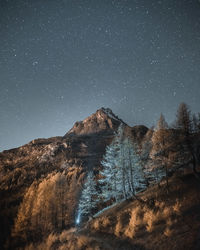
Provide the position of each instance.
(160, 226)
(168, 232)
(134, 222)
(177, 207)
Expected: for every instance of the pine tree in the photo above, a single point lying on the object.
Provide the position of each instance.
(183, 119)
(122, 172)
(198, 122)
(145, 157)
(195, 124)
(185, 126)
(110, 173)
(161, 124)
(161, 146)
(134, 172)
(123, 187)
(88, 198)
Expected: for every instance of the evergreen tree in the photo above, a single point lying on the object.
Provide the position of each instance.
(198, 122)
(161, 147)
(88, 198)
(122, 172)
(111, 173)
(195, 124)
(161, 124)
(186, 137)
(145, 157)
(134, 172)
(183, 119)
(129, 164)
(124, 187)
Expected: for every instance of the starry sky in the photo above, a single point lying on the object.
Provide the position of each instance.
(61, 60)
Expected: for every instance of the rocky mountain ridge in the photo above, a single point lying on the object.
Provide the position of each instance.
(102, 119)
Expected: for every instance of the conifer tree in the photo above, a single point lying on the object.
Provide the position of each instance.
(111, 173)
(88, 198)
(185, 126)
(134, 172)
(183, 119)
(161, 146)
(122, 172)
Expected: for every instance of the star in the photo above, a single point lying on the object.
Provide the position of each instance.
(69, 59)
(35, 63)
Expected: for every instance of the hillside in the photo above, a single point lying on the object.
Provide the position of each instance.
(164, 221)
(45, 164)
(51, 188)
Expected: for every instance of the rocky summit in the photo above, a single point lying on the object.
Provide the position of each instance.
(103, 119)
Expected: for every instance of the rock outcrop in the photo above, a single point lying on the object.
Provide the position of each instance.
(103, 119)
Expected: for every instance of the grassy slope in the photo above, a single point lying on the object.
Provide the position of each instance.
(165, 221)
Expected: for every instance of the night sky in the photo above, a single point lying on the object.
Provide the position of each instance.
(61, 60)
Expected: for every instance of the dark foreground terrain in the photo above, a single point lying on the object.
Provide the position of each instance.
(164, 221)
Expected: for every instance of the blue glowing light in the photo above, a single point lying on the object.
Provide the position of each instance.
(78, 218)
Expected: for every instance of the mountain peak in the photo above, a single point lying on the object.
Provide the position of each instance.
(102, 119)
(108, 112)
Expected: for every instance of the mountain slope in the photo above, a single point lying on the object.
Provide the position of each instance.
(165, 221)
(32, 167)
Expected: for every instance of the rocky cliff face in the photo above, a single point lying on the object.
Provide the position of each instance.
(43, 165)
(103, 119)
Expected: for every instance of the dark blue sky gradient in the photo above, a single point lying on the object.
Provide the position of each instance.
(62, 60)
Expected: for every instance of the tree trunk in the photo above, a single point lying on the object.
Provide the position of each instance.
(167, 181)
(194, 160)
(194, 166)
